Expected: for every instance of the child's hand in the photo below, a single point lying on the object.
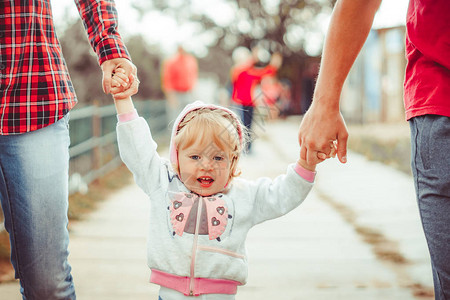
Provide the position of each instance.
(119, 79)
(303, 163)
(120, 82)
(321, 156)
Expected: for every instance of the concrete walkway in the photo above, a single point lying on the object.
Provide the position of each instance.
(357, 236)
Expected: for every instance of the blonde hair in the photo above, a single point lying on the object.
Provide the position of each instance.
(213, 125)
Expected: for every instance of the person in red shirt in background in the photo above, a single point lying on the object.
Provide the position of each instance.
(179, 76)
(271, 89)
(285, 98)
(427, 106)
(245, 77)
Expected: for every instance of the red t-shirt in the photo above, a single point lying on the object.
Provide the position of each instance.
(244, 79)
(180, 73)
(427, 77)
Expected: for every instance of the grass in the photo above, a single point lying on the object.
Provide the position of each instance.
(386, 143)
(81, 204)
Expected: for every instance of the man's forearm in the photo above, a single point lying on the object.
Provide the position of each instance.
(100, 20)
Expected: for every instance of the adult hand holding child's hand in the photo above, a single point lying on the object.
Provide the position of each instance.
(120, 84)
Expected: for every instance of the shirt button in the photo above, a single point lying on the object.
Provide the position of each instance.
(2, 66)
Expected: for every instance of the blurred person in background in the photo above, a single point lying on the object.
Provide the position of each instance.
(285, 98)
(308, 83)
(427, 105)
(271, 91)
(36, 97)
(246, 74)
(179, 76)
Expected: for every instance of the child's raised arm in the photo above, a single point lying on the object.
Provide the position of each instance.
(126, 105)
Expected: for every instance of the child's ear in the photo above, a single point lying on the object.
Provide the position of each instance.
(176, 169)
(233, 167)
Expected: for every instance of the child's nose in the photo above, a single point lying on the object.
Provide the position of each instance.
(208, 164)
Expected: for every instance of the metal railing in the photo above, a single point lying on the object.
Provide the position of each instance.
(93, 151)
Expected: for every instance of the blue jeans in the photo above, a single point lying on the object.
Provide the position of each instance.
(430, 160)
(245, 113)
(34, 195)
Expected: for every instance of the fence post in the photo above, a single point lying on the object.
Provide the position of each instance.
(96, 133)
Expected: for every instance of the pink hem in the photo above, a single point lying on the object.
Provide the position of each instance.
(201, 285)
(129, 116)
(305, 174)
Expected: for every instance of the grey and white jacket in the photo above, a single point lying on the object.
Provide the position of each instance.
(196, 244)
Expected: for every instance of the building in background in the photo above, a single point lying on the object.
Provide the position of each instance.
(373, 91)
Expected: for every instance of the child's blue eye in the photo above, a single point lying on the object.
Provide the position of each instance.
(218, 158)
(195, 157)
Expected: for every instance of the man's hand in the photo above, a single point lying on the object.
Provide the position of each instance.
(320, 130)
(130, 70)
(118, 90)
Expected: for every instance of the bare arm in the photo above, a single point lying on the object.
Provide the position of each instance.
(124, 106)
(349, 27)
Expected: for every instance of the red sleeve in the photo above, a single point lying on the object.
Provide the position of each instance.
(238, 69)
(101, 22)
(261, 72)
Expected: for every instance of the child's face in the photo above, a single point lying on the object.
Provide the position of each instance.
(204, 168)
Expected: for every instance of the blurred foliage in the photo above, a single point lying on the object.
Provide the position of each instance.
(148, 62)
(285, 26)
(86, 74)
(83, 65)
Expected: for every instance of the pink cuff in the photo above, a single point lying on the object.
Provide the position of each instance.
(129, 116)
(305, 174)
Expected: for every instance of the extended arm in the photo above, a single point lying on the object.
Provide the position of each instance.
(274, 198)
(101, 22)
(323, 123)
(136, 146)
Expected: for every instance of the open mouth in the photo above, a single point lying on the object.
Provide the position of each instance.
(205, 181)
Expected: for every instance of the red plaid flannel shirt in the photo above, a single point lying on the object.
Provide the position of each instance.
(35, 85)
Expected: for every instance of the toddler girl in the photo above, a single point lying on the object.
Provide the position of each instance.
(201, 211)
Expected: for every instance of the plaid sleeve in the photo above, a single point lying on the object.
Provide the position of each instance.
(100, 20)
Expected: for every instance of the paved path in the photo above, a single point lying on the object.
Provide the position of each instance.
(357, 236)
